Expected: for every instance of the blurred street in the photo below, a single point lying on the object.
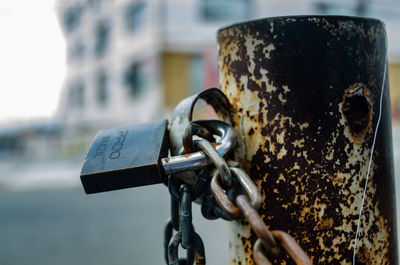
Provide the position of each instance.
(67, 227)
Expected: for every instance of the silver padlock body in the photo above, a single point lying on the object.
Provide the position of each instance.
(126, 157)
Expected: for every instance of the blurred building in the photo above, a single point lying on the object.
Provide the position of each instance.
(131, 61)
(30, 141)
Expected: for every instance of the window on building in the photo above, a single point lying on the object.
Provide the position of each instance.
(94, 3)
(77, 94)
(221, 10)
(71, 17)
(135, 15)
(76, 52)
(352, 7)
(80, 95)
(134, 80)
(101, 88)
(102, 38)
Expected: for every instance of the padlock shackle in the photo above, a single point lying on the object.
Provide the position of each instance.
(199, 159)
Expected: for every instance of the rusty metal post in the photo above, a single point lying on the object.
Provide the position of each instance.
(310, 101)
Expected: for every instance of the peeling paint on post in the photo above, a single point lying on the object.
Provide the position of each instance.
(306, 93)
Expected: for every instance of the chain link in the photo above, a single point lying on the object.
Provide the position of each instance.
(209, 207)
(217, 160)
(168, 233)
(181, 221)
(222, 198)
(198, 248)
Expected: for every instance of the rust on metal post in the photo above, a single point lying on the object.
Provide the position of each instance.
(306, 101)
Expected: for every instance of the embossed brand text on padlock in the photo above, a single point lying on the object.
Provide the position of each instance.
(126, 157)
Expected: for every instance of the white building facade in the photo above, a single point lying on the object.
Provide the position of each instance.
(130, 61)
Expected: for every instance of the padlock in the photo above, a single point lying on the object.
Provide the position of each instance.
(126, 157)
(137, 155)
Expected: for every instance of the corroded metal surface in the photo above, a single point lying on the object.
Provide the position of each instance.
(306, 93)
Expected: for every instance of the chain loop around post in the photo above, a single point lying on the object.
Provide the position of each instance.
(221, 197)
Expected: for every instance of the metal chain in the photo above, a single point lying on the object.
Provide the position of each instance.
(205, 130)
(181, 221)
(220, 187)
(247, 206)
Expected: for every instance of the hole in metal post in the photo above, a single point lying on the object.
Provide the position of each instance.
(357, 110)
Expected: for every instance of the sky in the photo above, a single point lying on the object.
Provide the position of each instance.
(32, 60)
